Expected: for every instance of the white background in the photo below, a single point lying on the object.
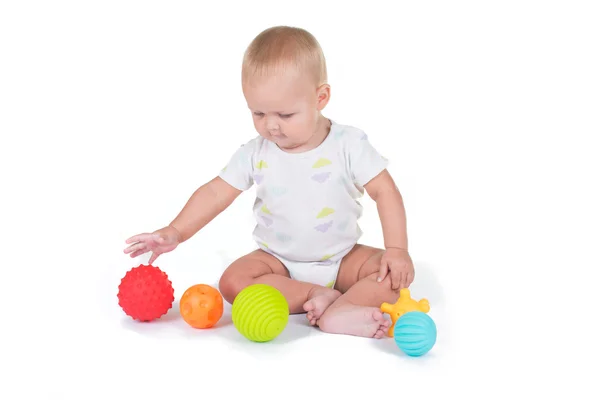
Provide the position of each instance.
(113, 112)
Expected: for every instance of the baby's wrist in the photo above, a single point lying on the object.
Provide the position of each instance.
(404, 249)
(177, 233)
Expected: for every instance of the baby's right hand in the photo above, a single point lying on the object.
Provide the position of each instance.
(159, 242)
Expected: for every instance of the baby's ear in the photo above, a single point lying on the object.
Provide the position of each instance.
(323, 96)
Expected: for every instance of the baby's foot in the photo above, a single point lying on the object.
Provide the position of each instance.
(350, 319)
(319, 300)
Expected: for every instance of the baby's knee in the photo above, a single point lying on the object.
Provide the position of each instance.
(230, 285)
(385, 286)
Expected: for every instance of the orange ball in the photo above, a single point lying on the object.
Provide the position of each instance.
(201, 306)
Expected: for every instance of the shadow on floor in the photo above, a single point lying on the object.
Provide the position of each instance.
(172, 324)
(425, 285)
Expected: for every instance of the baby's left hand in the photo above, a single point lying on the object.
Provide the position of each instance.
(400, 267)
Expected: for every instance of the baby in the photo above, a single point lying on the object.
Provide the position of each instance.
(309, 172)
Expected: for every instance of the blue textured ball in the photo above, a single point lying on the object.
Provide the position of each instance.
(415, 333)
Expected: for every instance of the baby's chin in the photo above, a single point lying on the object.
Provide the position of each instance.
(284, 142)
(287, 145)
(281, 140)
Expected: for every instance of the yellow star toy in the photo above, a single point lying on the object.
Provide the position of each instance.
(404, 304)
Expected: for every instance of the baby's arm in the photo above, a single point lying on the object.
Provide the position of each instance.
(207, 202)
(396, 259)
(390, 207)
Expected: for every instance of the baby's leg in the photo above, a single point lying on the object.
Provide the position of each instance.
(261, 267)
(357, 312)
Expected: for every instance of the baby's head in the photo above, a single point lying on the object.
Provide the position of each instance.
(284, 80)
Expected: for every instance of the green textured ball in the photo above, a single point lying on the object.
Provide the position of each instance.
(260, 312)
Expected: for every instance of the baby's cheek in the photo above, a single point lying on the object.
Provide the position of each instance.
(304, 130)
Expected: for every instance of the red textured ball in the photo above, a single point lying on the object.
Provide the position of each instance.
(145, 293)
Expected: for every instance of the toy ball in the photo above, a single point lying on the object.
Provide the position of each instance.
(415, 333)
(260, 312)
(145, 293)
(201, 306)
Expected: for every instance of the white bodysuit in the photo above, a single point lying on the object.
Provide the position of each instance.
(306, 206)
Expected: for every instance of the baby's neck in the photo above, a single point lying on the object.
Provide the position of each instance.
(319, 136)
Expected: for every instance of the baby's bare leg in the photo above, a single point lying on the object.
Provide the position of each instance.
(357, 312)
(262, 267)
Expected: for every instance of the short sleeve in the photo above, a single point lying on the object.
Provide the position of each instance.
(238, 172)
(365, 161)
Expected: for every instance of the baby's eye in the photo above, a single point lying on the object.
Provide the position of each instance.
(285, 115)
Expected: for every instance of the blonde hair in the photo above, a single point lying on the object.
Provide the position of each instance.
(282, 47)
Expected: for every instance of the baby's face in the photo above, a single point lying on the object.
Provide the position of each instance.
(285, 109)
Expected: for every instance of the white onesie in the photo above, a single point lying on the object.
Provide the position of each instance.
(306, 206)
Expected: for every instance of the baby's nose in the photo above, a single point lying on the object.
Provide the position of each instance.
(272, 124)
(274, 130)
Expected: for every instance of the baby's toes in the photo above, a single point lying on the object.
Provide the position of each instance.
(317, 314)
(309, 306)
(378, 317)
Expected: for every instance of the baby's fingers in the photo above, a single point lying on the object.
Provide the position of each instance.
(135, 248)
(153, 258)
(403, 280)
(142, 237)
(396, 278)
(383, 269)
(138, 253)
(410, 277)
